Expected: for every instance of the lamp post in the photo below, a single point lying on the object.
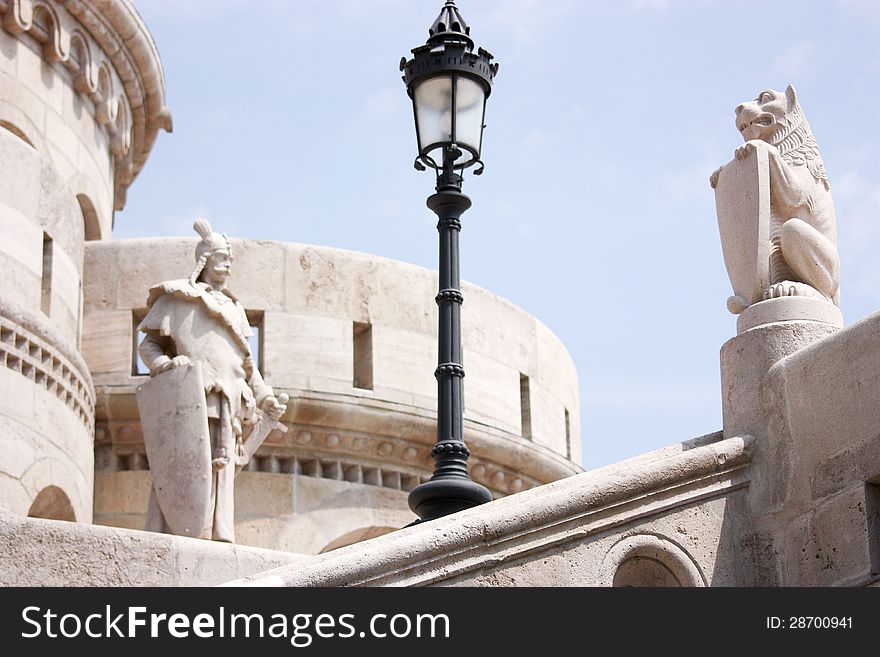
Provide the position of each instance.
(449, 84)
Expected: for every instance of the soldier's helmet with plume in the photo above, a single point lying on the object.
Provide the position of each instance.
(210, 244)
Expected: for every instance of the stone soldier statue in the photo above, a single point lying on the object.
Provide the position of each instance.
(197, 333)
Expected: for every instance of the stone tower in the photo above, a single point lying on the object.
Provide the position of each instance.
(82, 101)
(350, 337)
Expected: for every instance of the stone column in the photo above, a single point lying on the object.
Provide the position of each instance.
(767, 332)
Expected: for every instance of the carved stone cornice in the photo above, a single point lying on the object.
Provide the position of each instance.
(328, 428)
(88, 38)
(28, 346)
(353, 456)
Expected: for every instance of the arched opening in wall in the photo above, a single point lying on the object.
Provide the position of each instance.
(648, 560)
(46, 278)
(18, 132)
(872, 514)
(644, 572)
(91, 224)
(255, 342)
(138, 366)
(525, 407)
(52, 503)
(362, 355)
(567, 435)
(357, 536)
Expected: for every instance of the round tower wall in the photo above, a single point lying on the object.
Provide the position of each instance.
(352, 339)
(81, 99)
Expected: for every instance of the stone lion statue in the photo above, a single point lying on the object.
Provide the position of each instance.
(803, 229)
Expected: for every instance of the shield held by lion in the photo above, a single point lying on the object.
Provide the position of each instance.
(175, 424)
(742, 200)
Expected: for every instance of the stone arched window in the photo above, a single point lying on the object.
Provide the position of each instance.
(91, 223)
(18, 132)
(52, 503)
(649, 560)
(644, 571)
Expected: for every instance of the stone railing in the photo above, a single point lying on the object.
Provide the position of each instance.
(668, 506)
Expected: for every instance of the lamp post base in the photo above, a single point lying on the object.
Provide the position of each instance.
(440, 497)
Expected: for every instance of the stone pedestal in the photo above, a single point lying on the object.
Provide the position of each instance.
(786, 309)
(767, 332)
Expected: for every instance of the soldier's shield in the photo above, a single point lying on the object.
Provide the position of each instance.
(742, 201)
(175, 424)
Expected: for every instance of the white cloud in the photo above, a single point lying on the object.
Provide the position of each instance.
(857, 203)
(356, 9)
(299, 17)
(689, 183)
(664, 395)
(794, 62)
(384, 104)
(188, 9)
(524, 230)
(652, 5)
(869, 9)
(527, 21)
(180, 223)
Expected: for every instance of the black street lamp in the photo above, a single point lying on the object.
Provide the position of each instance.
(449, 85)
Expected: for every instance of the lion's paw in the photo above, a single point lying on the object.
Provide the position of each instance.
(790, 289)
(745, 150)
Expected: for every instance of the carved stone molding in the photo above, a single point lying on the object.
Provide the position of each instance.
(356, 457)
(653, 548)
(89, 39)
(33, 357)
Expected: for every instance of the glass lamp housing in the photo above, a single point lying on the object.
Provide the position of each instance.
(449, 109)
(449, 84)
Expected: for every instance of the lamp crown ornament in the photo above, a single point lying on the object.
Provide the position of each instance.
(449, 35)
(449, 83)
(450, 26)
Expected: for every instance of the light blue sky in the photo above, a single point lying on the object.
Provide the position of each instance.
(594, 214)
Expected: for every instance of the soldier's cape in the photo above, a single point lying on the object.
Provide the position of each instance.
(232, 316)
(212, 331)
